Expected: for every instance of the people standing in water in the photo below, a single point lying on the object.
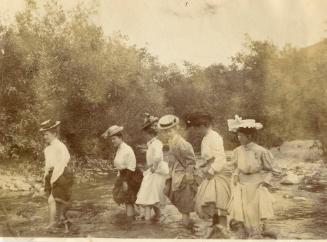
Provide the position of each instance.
(251, 202)
(151, 194)
(182, 187)
(58, 175)
(129, 178)
(214, 192)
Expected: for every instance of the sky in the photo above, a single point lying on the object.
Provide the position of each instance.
(204, 32)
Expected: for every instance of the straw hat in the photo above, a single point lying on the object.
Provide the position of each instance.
(238, 122)
(112, 130)
(168, 121)
(49, 124)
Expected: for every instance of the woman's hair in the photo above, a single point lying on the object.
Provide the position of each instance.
(250, 132)
(119, 135)
(54, 131)
(151, 130)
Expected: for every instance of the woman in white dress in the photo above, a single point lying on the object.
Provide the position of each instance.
(151, 192)
(251, 202)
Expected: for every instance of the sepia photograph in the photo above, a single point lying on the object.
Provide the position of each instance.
(163, 119)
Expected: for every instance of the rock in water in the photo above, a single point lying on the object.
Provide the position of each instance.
(291, 179)
(299, 198)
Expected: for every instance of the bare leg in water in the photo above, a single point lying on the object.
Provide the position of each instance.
(147, 214)
(157, 214)
(52, 211)
(62, 211)
(130, 212)
(186, 220)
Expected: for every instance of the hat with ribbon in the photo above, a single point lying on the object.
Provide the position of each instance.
(150, 121)
(238, 122)
(168, 121)
(49, 124)
(112, 130)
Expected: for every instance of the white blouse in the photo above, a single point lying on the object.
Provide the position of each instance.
(57, 157)
(212, 147)
(125, 158)
(154, 152)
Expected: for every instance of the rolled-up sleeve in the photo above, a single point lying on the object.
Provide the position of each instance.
(187, 154)
(268, 162)
(130, 160)
(47, 165)
(216, 146)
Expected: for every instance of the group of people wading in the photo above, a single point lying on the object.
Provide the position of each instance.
(232, 194)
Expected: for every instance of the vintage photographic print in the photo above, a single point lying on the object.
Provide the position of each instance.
(163, 119)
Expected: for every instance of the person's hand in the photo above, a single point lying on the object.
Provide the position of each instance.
(265, 184)
(208, 176)
(125, 186)
(236, 180)
(189, 177)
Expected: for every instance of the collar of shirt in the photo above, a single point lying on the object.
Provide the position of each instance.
(175, 138)
(121, 146)
(54, 141)
(151, 141)
(209, 130)
(248, 146)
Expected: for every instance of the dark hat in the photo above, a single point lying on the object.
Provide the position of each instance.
(198, 118)
(49, 124)
(150, 121)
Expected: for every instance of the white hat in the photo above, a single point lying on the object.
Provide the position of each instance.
(168, 121)
(113, 130)
(234, 124)
(49, 124)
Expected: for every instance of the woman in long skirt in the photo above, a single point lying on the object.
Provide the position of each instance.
(58, 174)
(129, 178)
(214, 192)
(151, 192)
(181, 187)
(251, 203)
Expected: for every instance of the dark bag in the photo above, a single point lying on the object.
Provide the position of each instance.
(167, 188)
(197, 179)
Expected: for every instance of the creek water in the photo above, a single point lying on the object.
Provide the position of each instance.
(301, 213)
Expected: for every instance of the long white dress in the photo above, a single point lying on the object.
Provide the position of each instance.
(251, 202)
(151, 191)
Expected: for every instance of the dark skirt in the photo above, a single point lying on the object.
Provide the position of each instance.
(183, 198)
(61, 189)
(134, 180)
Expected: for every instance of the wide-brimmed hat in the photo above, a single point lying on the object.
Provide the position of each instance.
(198, 118)
(49, 124)
(238, 122)
(168, 121)
(150, 121)
(112, 130)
